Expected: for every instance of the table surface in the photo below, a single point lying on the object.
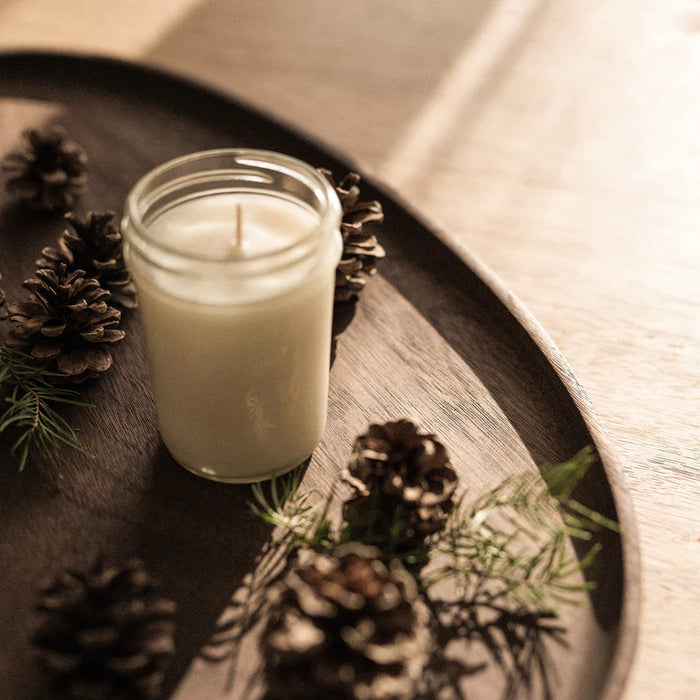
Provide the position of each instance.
(557, 139)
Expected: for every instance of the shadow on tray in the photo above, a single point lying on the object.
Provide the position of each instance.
(199, 540)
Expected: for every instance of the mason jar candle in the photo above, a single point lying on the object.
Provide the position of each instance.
(234, 253)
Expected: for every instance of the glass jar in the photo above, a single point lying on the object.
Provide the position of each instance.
(234, 253)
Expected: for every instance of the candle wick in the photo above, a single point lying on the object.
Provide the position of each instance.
(238, 242)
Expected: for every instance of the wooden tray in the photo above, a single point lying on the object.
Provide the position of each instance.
(435, 336)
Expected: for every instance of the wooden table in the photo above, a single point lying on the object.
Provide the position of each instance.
(557, 139)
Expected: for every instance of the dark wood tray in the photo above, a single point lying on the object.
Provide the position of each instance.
(436, 336)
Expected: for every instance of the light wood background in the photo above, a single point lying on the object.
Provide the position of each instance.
(558, 139)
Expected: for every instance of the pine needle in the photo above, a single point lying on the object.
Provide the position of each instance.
(498, 572)
(510, 545)
(30, 397)
(295, 514)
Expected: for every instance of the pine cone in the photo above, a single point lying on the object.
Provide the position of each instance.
(49, 172)
(68, 323)
(95, 246)
(360, 248)
(105, 634)
(345, 626)
(404, 486)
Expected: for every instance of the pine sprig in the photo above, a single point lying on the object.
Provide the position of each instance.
(299, 519)
(498, 572)
(30, 396)
(561, 480)
(510, 546)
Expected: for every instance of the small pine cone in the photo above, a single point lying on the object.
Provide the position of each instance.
(67, 325)
(345, 626)
(404, 486)
(105, 633)
(95, 246)
(49, 172)
(361, 249)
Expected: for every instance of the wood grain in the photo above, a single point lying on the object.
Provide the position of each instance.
(571, 168)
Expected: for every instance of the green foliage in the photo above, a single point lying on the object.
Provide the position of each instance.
(302, 521)
(498, 572)
(507, 548)
(511, 545)
(30, 397)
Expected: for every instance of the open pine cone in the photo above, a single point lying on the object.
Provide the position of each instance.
(345, 626)
(361, 249)
(49, 172)
(67, 325)
(403, 486)
(95, 246)
(105, 633)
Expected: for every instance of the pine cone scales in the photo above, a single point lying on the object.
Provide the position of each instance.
(404, 485)
(361, 250)
(105, 634)
(345, 626)
(68, 323)
(49, 172)
(95, 246)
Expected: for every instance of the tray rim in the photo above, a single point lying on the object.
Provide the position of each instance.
(627, 633)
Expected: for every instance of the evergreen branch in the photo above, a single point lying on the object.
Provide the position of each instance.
(509, 546)
(301, 520)
(504, 558)
(30, 397)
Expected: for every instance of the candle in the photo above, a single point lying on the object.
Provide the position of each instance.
(234, 255)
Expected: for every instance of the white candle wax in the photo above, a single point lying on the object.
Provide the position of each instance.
(239, 362)
(208, 224)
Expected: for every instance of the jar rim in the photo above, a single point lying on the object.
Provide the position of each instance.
(328, 209)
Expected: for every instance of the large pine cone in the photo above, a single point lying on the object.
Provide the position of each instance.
(105, 634)
(49, 172)
(361, 250)
(404, 486)
(345, 626)
(68, 325)
(95, 246)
